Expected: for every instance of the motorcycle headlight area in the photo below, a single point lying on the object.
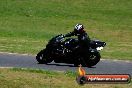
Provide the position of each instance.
(99, 48)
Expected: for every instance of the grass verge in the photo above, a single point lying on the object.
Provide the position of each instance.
(27, 25)
(31, 78)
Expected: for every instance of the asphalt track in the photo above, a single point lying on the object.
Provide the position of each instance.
(103, 67)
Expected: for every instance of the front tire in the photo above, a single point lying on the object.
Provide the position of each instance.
(93, 59)
(43, 57)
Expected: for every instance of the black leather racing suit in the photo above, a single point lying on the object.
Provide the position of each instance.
(84, 40)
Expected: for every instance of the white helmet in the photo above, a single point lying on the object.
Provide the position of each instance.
(79, 28)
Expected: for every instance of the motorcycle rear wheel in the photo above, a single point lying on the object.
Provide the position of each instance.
(43, 58)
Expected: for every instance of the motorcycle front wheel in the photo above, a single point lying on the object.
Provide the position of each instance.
(93, 59)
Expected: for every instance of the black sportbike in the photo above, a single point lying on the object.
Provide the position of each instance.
(68, 51)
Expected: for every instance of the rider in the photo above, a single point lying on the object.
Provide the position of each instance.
(83, 37)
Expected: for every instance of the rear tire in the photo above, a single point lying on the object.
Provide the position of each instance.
(43, 57)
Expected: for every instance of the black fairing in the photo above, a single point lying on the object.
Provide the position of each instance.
(70, 43)
(97, 43)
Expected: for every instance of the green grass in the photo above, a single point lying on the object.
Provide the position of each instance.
(30, 78)
(27, 25)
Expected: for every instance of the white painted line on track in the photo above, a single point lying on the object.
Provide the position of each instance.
(16, 54)
(6, 67)
(116, 60)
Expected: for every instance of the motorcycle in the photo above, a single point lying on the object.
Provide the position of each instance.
(68, 51)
